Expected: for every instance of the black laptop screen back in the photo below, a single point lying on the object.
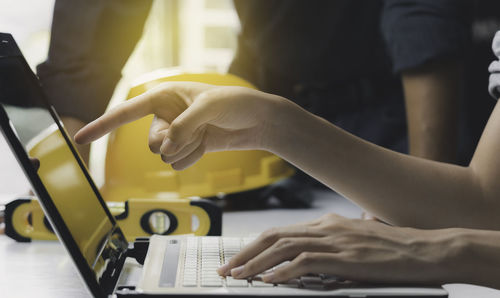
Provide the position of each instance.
(59, 171)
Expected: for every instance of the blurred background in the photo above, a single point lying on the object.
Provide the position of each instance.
(202, 36)
(195, 35)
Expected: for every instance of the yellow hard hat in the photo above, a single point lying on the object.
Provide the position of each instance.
(132, 171)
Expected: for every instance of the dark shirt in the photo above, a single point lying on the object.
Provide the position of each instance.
(91, 41)
(332, 47)
(418, 31)
(312, 40)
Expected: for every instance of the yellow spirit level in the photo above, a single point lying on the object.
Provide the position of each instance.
(25, 220)
(146, 195)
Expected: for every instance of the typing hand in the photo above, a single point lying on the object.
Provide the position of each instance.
(191, 119)
(357, 250)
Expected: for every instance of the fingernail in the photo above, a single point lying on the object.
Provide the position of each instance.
(168, 147)
(223, 270)
(235, 272)
(269, 278)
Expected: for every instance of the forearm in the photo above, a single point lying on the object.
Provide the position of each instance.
(400, 189)
(468, 256)
(431, 95)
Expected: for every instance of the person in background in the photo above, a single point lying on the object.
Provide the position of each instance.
(427, 41)
(333, 58)
(475, 106)
(428, 200)
(90, 43)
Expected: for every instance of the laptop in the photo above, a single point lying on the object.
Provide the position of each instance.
(169, 265)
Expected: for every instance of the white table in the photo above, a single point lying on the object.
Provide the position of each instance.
(43, 269)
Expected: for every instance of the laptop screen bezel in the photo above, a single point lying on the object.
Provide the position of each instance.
(9, 50)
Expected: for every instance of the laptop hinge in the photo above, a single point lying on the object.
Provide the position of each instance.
(139, 250)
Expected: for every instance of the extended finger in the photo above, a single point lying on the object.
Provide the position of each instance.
(264, 241)
(125, 112)
(283, 250)
(305, 263)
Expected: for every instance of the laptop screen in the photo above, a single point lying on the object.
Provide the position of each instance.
(60, 172)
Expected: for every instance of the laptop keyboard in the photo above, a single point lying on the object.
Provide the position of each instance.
(203, 255)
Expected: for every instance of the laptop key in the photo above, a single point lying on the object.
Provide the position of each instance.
(232, 282)
(312, 282)
(189, 283)
(293, 283)
(261, 284)
(211, 282)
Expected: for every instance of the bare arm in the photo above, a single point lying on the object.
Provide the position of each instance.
(431, 96)
(193, 118)
(370, 251)
(401, 189)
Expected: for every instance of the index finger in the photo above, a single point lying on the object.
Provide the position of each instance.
(265, 240)
(124, 113)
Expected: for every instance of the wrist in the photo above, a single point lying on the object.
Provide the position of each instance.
(279, 112)
(443, 250)
(474, 258)
(464, 256)
(288, 126)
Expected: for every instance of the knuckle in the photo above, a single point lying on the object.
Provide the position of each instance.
(235, 261)
(305, 258)
(342, 239)
(353, 255)
(270, 236)
(166, 88)
(178, 132)
(284, 243)
(175, 128)
(204, 98)
(329, 219)
(329, 216)
(281, 274)
(331, 241)
(345, 239)
(213, 94)
(250, 266)
(335, 226)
